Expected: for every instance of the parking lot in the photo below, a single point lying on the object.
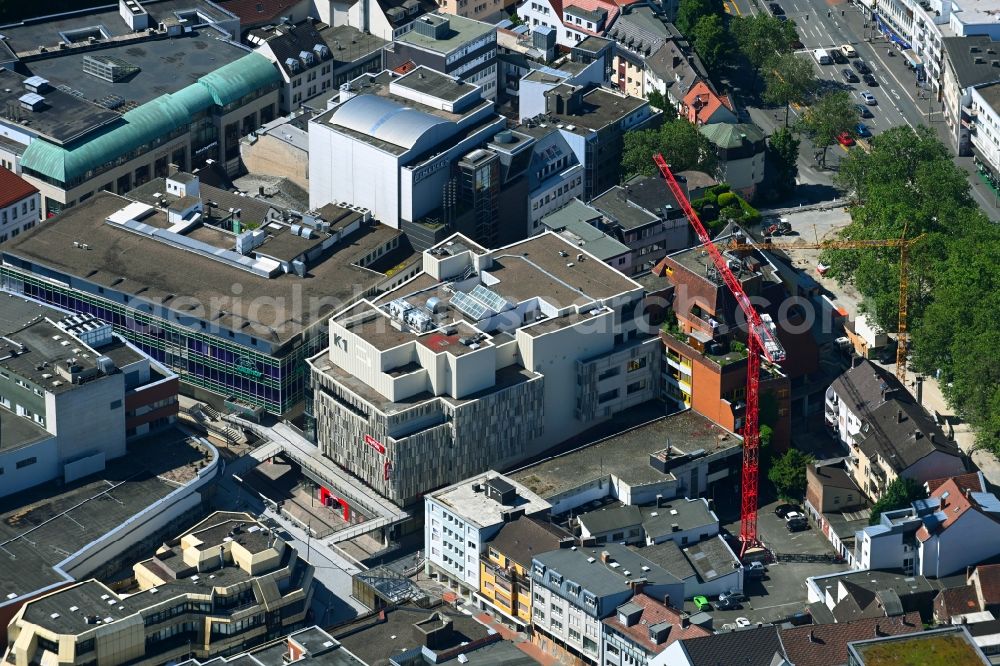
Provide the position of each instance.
(782, 591)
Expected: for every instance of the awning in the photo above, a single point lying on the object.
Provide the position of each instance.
(890, 33)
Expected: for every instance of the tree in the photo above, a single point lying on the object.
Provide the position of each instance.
(833, 114)
(711, 40)
(789, 79)
(899, 494)
(514, 18)
(657, 100)
(788, 474)
(783, 155)
(682, 145)
(690, 11)
(762, 37)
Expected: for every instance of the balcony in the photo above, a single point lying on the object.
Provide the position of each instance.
(679, 363)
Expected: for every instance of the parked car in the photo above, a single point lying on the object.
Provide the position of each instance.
(868, 98)
(783, 510)
(845, 139)
(754, 570)
(848, 51)
(733, 595)
(796, 522)
(701, 603)
(864, 111)
(849, 75)
(776, 9)
(727, 604)
(870, 80)
(838, 57)
(862, 130)
(861, 66)
(742, 622)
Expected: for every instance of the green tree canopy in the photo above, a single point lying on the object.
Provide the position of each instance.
(682, 145)
(831, 115)
(788, 474)
(711, 40)
(783, 155)
(657, 100)
(899, 494)
(788, 79)
(761, 37)
(689, 11)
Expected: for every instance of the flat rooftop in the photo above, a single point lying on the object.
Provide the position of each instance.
(375, 641)
(712, 558)
(946, 647)
(36, 350)
(599, 109)
(62, 118)
(17, 432)
(461, 31)
(43, 526)
(105, 23)
(470, 500)
(164, 66)
(322, 648)
(432, 82)
(626, 456)
(152, 271)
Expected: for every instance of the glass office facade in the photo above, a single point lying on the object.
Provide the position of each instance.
(206, 360)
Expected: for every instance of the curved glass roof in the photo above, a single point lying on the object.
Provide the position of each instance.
(385, 119)
(154, 119)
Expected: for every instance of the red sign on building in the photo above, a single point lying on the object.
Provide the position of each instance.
(375, 444)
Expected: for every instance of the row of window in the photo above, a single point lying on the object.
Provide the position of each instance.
(25, 207)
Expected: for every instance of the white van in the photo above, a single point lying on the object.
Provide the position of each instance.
(822, 57)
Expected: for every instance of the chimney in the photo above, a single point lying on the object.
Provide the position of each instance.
(899, 416)
(812, 636)
(676, 62)
(606, 557)
(920, 390)
(878, 630)
(685, 620)
(666, 600)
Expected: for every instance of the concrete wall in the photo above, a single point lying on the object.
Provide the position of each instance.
(45, 468)
(971, 539)
(91, 418)
(20, 216)
(274, 157)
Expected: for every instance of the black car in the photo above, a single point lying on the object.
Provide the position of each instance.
(784, 509)
(838, 57)
(870, 80)
(776, 9)
(861, 66)
(849, 75)
(864, 111)
(797, 525)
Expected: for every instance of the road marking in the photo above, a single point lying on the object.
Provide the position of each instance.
(894, 93)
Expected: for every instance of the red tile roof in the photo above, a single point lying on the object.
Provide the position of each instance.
(701, 103)
(989, 583)
(956, 601)
(954, 504)
(826, 644)
(13, 188)
(654, 612)
(971, 481)
(591, 6)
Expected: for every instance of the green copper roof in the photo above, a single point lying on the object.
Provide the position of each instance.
(731, 135)
(157, 118)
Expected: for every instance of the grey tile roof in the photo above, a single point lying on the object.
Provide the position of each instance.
(523, 539)
(712, 559)
(607, 520)
(753, 647)
(899, 430)
(963, 52)
(685, 514)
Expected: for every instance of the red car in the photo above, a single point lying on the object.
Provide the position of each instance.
(845, 139)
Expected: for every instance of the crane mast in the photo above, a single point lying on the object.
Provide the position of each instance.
(762, 339)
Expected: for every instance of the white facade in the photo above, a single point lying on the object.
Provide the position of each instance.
(986, 137)
(572, 26)
(460, 519)
(20, 216)
(566, 622)
(395, 169)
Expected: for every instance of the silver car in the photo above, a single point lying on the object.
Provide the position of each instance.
(868, 98)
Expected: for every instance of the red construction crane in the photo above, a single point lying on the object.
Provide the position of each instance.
(762, 338)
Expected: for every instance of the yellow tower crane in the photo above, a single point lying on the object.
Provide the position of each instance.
(902, 243)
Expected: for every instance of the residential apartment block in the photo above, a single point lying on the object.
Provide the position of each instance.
(224, 585)
(71, 394)
(315, 59)
(20, 205)
(505, 565)
(454, 45)
(740, 149)
(573, 20)
(574, 589)
(189, 279)
(887, 433)
(968, 67)
(956, 527)
(491, 356)
(461, 518)
(644, 627)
